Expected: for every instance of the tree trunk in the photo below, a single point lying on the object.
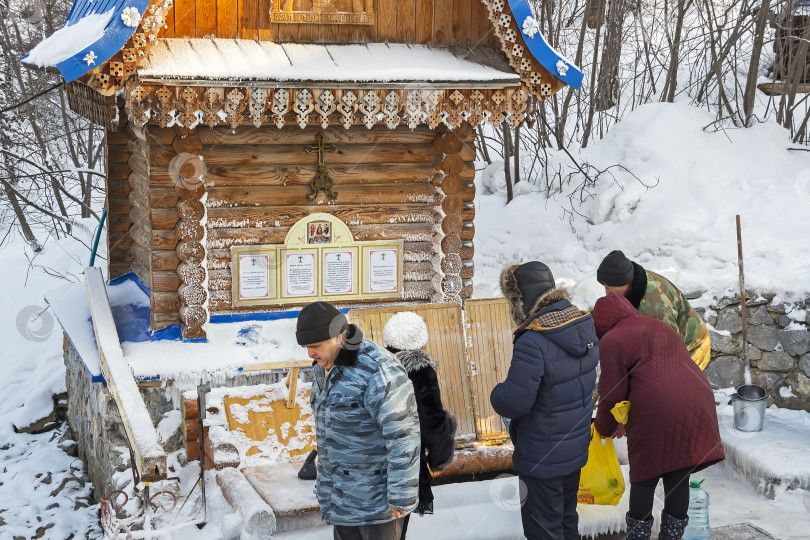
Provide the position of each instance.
(668, 93)
(753, 67)
(482, 142)
(25, 228)
(607, 88)
(507, 152)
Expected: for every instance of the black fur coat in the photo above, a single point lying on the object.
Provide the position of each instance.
(438, 427)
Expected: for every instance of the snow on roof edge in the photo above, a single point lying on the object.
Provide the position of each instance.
(184, 59)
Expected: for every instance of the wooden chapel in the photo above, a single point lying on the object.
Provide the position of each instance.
(228, 122)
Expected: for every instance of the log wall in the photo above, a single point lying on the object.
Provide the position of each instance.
(141, 229)
(434, 22)
(153, 237)
(258, 179)
(119, 254)
(415, 185)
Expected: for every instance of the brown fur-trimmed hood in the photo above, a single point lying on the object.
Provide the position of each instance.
(511, 291)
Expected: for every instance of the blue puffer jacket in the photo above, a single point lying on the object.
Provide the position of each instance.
(367, 430)
(548, 391)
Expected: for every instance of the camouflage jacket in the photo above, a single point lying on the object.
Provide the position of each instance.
(664, 301)
(368, 437)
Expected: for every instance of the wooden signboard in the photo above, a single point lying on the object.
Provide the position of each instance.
(319, 260)
(323, 11)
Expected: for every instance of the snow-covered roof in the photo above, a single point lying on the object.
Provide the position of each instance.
(94, 32)
(210, 59)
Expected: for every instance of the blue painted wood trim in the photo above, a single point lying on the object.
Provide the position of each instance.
(542, 51)
(115, 35)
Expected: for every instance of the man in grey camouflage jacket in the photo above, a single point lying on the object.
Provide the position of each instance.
(366, 425)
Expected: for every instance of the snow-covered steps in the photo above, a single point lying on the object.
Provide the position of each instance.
(293, 500)
(772, 460)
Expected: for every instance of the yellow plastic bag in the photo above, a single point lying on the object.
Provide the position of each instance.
(702, 353)
(621, 411)
(601, 480)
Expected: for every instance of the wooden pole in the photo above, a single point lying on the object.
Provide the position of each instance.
(742, 293)
(292, 384)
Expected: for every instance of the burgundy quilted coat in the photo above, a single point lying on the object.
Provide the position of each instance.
(673, 420)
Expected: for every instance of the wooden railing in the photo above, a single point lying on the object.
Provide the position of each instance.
(149, 456)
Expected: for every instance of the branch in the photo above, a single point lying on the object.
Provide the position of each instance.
(32, 204)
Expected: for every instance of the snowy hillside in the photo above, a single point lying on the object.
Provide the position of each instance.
(41, 486)
(683, 227)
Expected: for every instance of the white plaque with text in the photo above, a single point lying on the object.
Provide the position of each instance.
(300, 274)
(383, 268)
(338, 272)
(254, 276)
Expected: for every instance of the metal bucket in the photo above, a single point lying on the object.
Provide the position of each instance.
(749, 403)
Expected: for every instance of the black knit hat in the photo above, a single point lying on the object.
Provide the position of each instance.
(318, 322)
(616, 270)
(534, 279)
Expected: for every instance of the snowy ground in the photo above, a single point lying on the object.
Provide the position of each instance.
(682, 227)
(489, 511)
(42, 490)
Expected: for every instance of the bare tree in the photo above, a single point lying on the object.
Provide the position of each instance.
(48, 155)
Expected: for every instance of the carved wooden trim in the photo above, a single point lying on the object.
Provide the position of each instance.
(188, 106)
(540, 83)
(113, 74)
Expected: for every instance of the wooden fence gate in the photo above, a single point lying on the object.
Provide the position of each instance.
(472, 349)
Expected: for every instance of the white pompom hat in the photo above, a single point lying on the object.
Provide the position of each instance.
(405, 331)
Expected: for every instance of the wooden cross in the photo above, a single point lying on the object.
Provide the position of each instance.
(322, 180)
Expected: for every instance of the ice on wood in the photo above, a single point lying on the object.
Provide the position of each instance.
(257, 517)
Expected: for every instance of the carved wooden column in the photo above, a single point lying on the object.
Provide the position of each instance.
(466, 180)
(449, 164)
(187, 169)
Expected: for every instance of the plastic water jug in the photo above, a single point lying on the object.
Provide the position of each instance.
(698, 527)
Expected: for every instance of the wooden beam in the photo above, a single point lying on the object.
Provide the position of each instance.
(777, 88)
(184, 18)
(294, 154)
(149, 456)
(247, 175)
(386, 20)
(267, 366)
(292, 195)
(248, 19)
(287, 216)
(292, 385)
(424, 21)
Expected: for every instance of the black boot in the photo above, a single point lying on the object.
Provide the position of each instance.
(672, 528)
(638, 529)
(308, 470)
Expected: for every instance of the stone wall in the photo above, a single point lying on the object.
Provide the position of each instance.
(778, 346)
(96, 423)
